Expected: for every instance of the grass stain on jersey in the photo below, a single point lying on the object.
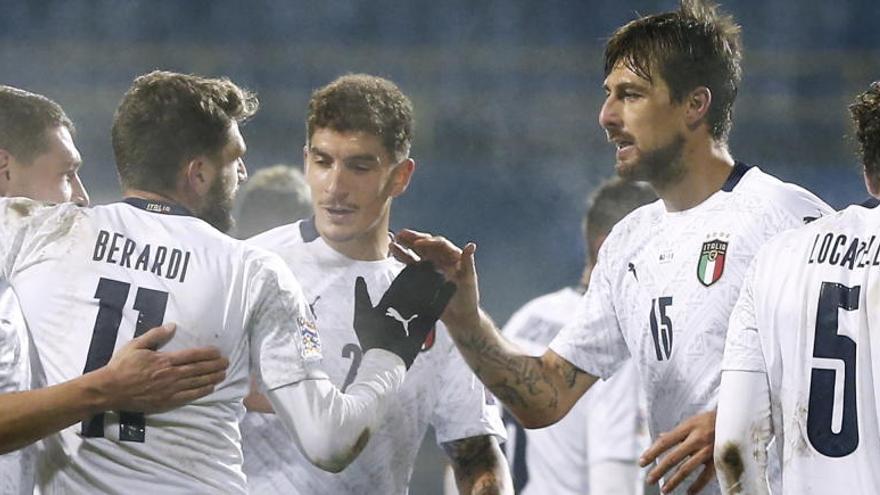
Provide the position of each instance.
(339, 462)
(22, 207)
(732, 466)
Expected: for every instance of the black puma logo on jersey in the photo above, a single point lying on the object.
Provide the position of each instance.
(632, 268)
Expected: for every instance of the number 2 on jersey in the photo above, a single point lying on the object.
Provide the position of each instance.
(354, 352)
(828, 344)
(150, 305)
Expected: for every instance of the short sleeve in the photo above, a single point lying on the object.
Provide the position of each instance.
(742, 349)
(463, 408)
(592, 340)
(284, 341)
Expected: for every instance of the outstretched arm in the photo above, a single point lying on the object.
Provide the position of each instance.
(137, 378)
(330, 427)
(537, 390)
(479, 466)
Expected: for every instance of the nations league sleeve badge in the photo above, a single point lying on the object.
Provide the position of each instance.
(311, 342)
(711, 265)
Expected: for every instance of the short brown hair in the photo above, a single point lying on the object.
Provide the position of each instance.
(361, 102)
(694, 46)
(865, 112)
(165, 119)
(25, 118)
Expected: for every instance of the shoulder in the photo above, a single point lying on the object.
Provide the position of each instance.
(540, 319)
(548, 304)
(283, 236)
(24, 210)
(847, 219)
(633, 224)
(770, 192)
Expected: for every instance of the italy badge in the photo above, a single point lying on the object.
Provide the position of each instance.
(711, 264)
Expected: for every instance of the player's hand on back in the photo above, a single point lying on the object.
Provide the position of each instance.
(407, 312)
(140, 378)
(457, 266)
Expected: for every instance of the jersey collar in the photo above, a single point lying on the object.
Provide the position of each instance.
(870, 203)
(739, 170)
(154, 206)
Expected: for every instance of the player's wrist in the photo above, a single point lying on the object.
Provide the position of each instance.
(97, 393)
(463, 321)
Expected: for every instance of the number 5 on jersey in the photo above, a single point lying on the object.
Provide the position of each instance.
(150, 305)
(661, 327)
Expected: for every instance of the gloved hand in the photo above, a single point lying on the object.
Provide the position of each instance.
(406, 313)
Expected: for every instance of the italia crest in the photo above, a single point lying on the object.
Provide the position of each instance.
(711, 265)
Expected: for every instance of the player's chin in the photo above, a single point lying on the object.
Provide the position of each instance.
(334, 230)
(627, 169)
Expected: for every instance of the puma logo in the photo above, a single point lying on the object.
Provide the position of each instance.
(403, 321)
(632, 268)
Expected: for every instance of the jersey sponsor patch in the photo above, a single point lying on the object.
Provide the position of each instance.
(311, 343)
(711, 265)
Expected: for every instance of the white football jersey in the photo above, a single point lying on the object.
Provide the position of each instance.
(439, 390)
(805, 317)
(89, 279)
(665, 284)
(606, 424)
(16, 468)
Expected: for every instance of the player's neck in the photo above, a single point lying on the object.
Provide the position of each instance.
(706, 167)
(153, 196)
(370, 246)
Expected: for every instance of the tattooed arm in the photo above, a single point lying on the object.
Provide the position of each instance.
(538, 390)
(479, 466)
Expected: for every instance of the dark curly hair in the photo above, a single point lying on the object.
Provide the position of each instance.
(694, 46)
(166, 119)
(361, 102)
(865, 112)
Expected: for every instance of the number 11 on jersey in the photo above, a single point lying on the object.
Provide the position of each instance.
(150, 305)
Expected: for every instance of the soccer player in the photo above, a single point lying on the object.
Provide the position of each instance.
(271, 197)
(359, 131)
(39, 160)
(595, 448)
(159, 255)
(668, 274)
(801, 360)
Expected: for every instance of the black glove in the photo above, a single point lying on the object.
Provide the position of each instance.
(405, 315)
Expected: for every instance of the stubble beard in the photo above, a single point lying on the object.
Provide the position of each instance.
(659, 167)
(217, 209)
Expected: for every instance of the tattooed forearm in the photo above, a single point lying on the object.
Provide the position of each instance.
(479, 466)
(538, 390)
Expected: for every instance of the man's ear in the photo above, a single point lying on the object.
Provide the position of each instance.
(697, 104)
(401, 176)
(198, 175)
